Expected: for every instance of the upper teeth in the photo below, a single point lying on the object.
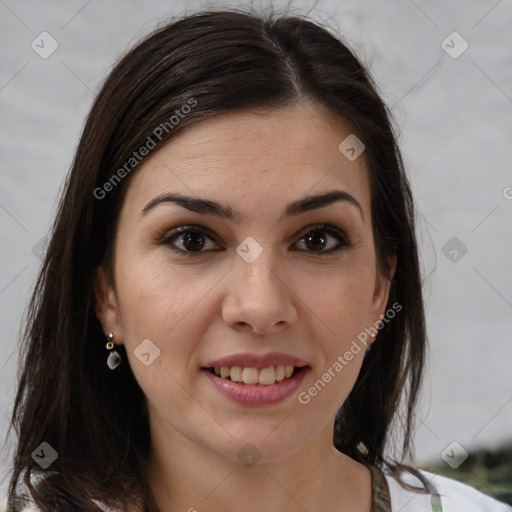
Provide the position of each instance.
(248, 375)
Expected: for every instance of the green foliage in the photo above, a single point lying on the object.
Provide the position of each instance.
(488, 471)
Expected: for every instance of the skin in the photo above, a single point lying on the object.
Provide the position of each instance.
(304, 302)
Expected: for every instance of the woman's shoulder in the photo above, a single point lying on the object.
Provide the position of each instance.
(455, 496)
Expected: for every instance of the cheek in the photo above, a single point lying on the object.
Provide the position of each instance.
(162, 307)
(160, 303)
(341, 299)
(343, 313)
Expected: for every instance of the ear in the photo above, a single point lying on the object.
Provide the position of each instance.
(106, 306)
(381, 292)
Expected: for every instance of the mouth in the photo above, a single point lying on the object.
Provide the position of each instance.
(256, 387)
(256, 377)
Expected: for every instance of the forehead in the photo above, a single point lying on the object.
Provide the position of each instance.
(246, 158)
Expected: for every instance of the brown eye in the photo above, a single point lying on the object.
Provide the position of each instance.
(317, 239)
(193, 241)
(187, 240)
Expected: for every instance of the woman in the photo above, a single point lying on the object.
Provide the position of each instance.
(229, 312)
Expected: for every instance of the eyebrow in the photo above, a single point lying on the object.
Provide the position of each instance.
(210, 207)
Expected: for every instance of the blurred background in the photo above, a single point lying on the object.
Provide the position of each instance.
(443, 68)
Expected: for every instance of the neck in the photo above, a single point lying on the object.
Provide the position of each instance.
(186, 477)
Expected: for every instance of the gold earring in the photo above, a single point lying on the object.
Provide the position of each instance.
(114, 359)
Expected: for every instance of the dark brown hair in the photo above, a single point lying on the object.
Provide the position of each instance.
(218, 61)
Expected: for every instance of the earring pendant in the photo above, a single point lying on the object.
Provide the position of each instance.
(114, 358)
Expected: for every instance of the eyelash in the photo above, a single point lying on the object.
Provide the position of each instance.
(169, 238)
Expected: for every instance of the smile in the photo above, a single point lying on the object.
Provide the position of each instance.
(249, 375)
(250, 393)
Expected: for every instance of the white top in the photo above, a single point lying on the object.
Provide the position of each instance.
(455, 497)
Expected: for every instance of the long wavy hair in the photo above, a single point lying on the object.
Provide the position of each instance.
(96, 419)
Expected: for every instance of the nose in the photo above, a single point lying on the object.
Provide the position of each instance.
(259, 300)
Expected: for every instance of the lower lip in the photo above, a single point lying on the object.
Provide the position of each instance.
(257, 395)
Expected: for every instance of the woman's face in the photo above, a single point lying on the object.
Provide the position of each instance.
(258, 277)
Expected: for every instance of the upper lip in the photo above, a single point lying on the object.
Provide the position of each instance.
(258, 361)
